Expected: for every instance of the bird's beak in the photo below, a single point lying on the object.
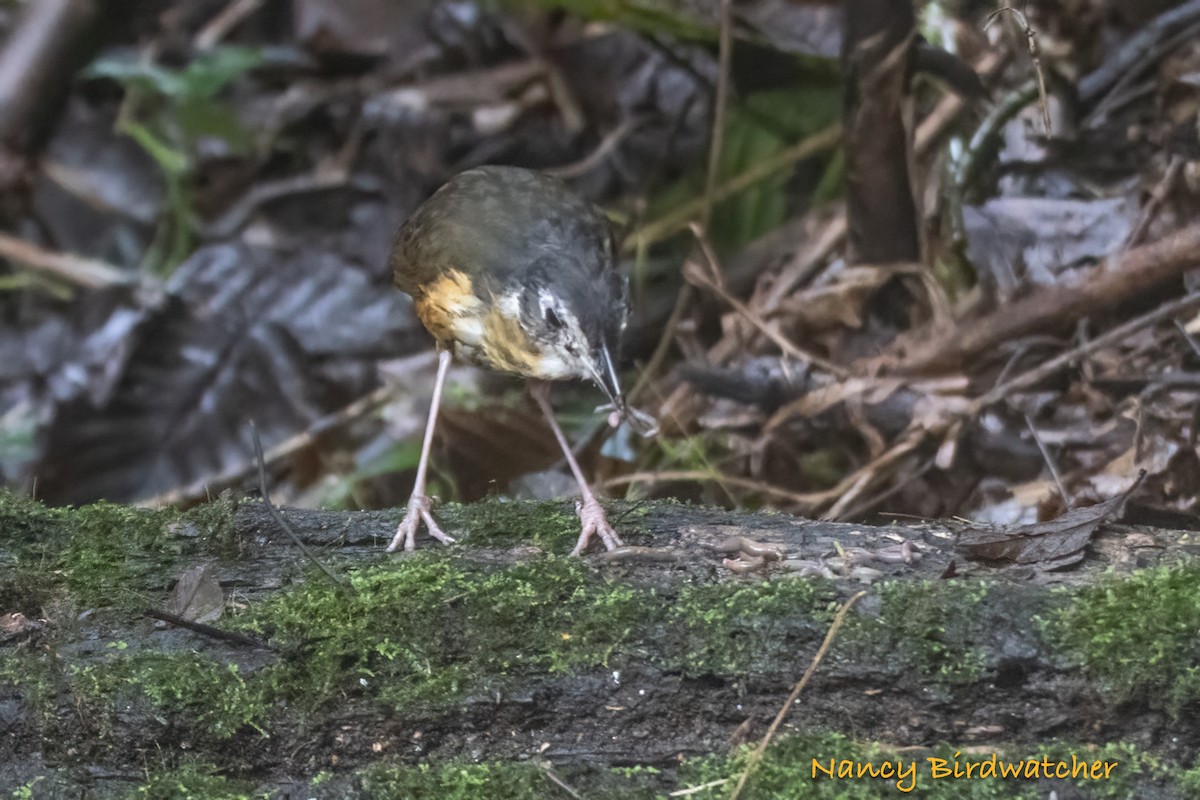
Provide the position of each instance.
(605, 375)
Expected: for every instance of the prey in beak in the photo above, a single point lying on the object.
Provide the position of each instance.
(604, 374)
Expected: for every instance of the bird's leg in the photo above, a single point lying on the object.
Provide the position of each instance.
(591, 513)
(418, 503)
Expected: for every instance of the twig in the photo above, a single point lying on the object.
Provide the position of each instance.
(801, 270)
(1037, 374)
(1050, 462)
(1187, 337)
(855, 483)
(682, 300)
(1131, 55)
(206, 630)
(279, 520)
(757, 755)
(288, 447)
(1157, 197)
(219, 26)
(85, 272)
(891, 491)
(720, 101)
(316, 181)
(1103, 288)
(691, 790)
(593, 159)
(1034, 56)
(763, 327)
(802, 501)
(677, 219)
(552, 776)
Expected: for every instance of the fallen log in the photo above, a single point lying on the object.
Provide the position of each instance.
(502, 668)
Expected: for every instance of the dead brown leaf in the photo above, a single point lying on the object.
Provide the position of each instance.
(1051, 545)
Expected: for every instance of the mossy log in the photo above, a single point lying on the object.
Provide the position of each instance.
(501, 667)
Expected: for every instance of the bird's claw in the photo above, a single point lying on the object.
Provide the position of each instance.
(419, 508)
(594, 522)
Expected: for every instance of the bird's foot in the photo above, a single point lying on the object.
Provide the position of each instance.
(594, 521)
(406, 534)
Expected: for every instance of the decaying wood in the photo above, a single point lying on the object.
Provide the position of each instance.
(1136, 275)
(877, 58)
(651, 714)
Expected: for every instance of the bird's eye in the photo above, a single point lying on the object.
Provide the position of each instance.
(552, 319)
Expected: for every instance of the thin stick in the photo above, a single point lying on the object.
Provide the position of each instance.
(1031, 42)
(86, 272)
(279, 520)
(767, 330)
(662, 476)
(1062, 491)
(1163, 313)
(1157, 197)
(717, 139)
(756, 756)
(682, 300)
(676, 220)
(552, 776)
(206, 630)
(229, 18)
(593, 159)
(297, 442)
(916, 437)
(691, 790)
(1187, 337)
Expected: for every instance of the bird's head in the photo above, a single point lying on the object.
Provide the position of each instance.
(576, 318)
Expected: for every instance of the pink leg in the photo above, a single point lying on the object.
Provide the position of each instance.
(591, 513)
(418, 504)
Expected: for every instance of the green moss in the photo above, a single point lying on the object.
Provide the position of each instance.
(454, 781)
(213, 525)
(1134, 769)
(552, 526)
(787, 770)
(191, 780)
(35, 677)
(102, 555)
(734, 628)
(422, 632)
(30, 533)
(1188, 782)
(1136, 634)
(212, 697)
(117, 553)
(428, 629)
(24, 521)
(928, 627)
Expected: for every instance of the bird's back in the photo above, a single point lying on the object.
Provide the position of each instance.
(492, 237)
(495, 223)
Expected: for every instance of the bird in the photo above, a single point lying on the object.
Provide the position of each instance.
(510, 269)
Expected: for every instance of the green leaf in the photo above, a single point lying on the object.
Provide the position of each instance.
(198, 117)
(204, 77)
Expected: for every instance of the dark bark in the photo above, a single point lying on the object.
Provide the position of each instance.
(877, 62)
(991, 678)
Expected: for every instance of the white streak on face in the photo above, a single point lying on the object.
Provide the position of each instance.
(566, 356)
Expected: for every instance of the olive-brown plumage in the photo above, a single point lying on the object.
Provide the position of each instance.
(510, 269)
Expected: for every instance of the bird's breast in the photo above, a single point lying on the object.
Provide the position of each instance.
(476, 331)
